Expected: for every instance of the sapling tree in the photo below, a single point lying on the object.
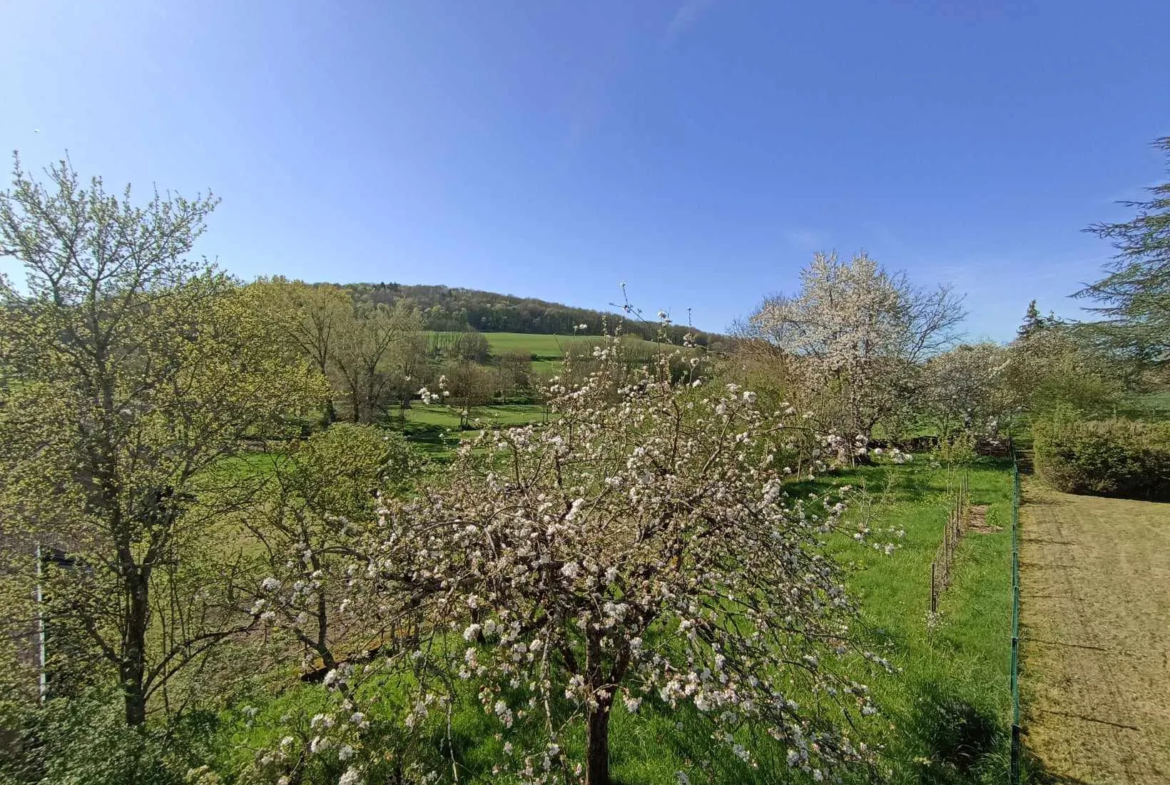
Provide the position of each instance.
(638, 551)
(316, 504)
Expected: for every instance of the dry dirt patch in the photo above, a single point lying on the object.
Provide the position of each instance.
(977, 520)
(1095, 593)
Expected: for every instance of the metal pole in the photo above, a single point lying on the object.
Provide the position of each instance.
(1015, 773)
(42, 649)
(1015, 659)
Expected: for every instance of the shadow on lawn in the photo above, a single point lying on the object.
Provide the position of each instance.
(962, 742)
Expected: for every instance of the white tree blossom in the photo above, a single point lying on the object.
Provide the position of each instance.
(640, 548)
(854, 337)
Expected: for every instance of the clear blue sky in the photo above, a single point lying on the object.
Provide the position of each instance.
(699, 151)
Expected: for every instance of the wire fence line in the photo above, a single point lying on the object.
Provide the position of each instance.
(944, 558)
(1015, 660)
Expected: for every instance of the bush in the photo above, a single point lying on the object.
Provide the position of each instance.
(1107, 457)
(84, 740)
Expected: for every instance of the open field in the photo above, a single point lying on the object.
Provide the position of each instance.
(435, 429)
(540, 345)
(546, 350)
(549, 350)
(1095, 589)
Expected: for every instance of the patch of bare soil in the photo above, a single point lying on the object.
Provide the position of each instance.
(1095, 614)
(977, 520)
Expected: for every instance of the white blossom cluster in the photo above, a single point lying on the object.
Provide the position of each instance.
(639, 548)
(854, 338)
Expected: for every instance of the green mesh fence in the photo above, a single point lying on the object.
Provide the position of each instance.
(1015, 663)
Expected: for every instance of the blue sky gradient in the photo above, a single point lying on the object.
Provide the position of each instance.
(699, 151)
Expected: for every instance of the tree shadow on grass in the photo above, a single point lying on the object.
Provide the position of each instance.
(961, 742)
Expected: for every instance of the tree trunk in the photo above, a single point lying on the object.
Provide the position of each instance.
(330, 409)
(356, 402)
(597, 747)
(133, 665)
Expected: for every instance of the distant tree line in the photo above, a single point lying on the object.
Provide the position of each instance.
(456, 309)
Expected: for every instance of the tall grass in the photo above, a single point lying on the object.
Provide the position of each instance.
(945, 713)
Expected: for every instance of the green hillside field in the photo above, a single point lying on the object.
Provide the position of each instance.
(548, 350)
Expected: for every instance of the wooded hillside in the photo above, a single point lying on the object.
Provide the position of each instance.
(457, 309)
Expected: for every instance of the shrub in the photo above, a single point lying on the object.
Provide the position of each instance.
(1107, 457)
(84, 740)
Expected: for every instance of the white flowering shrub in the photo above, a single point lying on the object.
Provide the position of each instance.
(964, 389)
(317, 504)
(638, 551)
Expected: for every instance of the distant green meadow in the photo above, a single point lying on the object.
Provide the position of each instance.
(435, 428)
(548, 351)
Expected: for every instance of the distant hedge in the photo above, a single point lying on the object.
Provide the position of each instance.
(1106, 457)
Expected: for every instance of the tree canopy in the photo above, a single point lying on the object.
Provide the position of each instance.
(1135, 294)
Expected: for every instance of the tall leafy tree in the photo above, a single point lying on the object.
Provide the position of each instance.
(1135, 294)
(313, 319)
(138, 371)
(363, 352)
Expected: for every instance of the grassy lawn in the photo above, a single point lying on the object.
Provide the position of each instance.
(948, 709)
(435, 429)
(1095, 615)
(945, 713)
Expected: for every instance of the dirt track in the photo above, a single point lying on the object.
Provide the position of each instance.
(1095, 591)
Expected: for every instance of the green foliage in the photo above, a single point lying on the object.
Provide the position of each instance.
(946, 711)
(139, 371)
(956, 449)
(337, 469)
(1112, 457)
(1135, 294)
(471, 346)
(1057, 367)
(85, 741)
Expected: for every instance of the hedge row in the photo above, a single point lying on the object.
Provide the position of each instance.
(1106, 458)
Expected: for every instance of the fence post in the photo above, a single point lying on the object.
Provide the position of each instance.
(933, 591)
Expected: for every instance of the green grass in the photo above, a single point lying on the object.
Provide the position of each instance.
(945, 714)
(545, 346)
(246, 464)
(548, 350)
(502, 414)
(435, 429)
(949, 706)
